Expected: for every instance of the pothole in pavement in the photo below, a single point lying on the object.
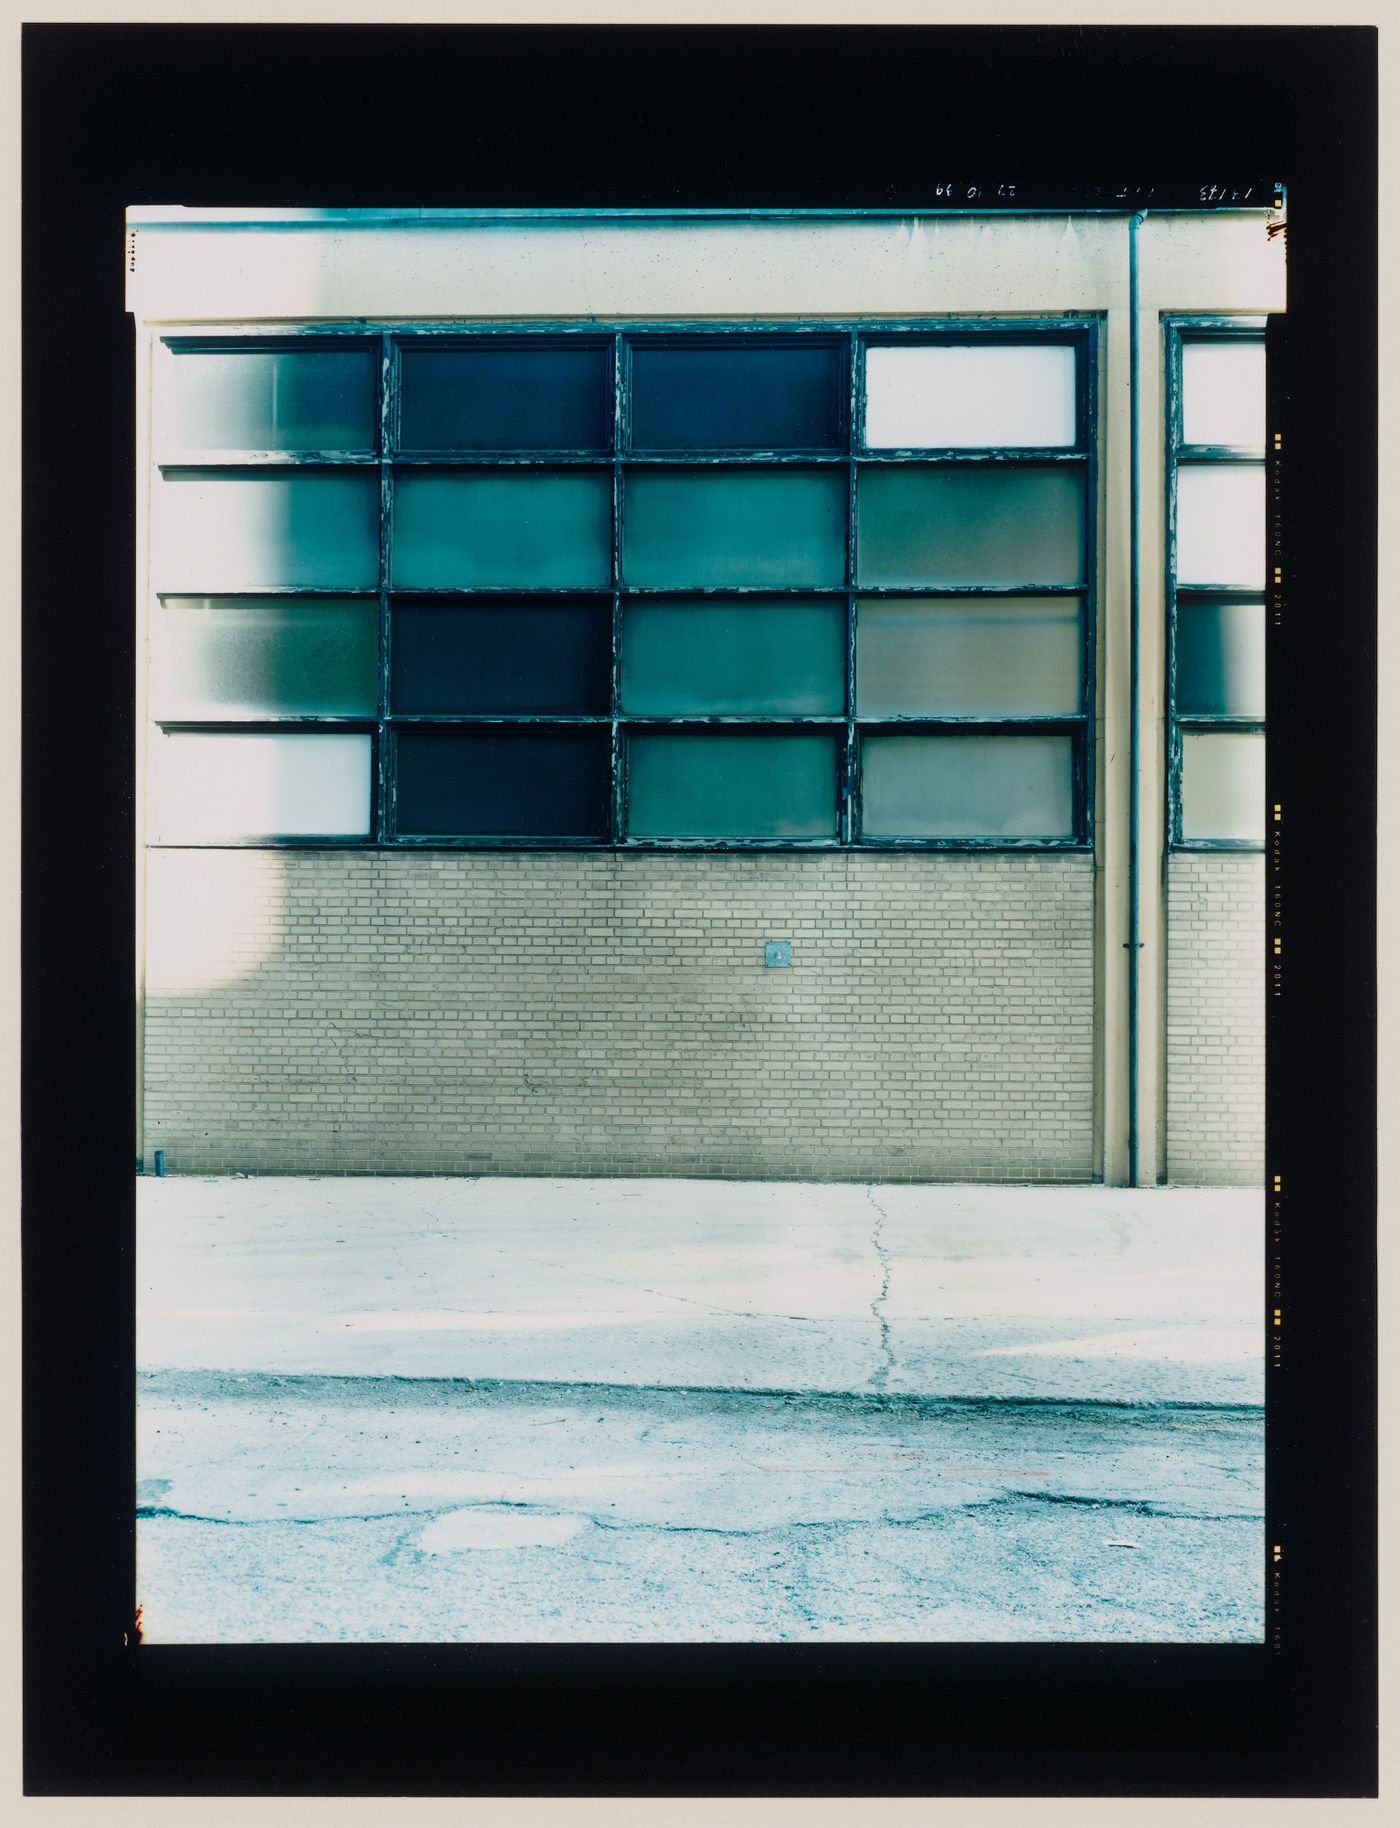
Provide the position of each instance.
(485, 1527)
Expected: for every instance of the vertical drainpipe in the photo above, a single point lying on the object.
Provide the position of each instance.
(1134, 943)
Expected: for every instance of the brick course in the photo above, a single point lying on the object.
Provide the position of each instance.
(1215, 1019)
(598, 1013)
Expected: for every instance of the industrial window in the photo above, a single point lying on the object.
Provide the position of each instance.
(1216, 580)
(809, 587)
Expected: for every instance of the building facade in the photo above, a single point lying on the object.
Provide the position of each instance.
(769, 695)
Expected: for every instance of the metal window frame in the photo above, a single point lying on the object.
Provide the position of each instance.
(1080, 330)
(1178, 330)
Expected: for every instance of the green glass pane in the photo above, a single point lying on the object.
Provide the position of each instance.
(508, 528)
(725, 784)
(274, 400)
(967, 786)
(260, 656)
(717, 528)
(1219, 658)
(229, 530)
(968, 656)
(1222, 784)
(779, 657)
(998, 526)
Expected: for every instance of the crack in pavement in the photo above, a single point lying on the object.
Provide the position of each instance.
(186, 1385)
(793, 1581)
(168, 1513)
(879, 1378)
(659, 1526)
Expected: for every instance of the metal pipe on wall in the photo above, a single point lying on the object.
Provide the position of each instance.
(1134, 943)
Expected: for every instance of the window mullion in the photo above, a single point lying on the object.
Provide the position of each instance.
(850, 781)
(387, 443)
(617, 807)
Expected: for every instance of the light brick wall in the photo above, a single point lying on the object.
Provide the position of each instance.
(1215, 1019)
(596, 1013)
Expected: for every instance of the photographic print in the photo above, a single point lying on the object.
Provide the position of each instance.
(701, 825)
(750, 1133)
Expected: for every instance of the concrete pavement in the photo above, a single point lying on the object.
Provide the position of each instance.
(335, 1510)
(1077, 1294)
(496, 1410)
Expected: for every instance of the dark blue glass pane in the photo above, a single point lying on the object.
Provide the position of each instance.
(489, 398)
(503, 783)
(725, 396)
(509, 654)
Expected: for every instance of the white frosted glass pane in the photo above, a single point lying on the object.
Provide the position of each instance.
(260, 785)
(1220, 524)
(264, 656)
(221, 530)
(967, 656)
(1222, 784)
(1222, 393)
(952, 396)
(253, 399)
(967, 786)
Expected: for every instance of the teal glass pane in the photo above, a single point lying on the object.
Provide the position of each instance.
(1222, 784)
(261, 656)
(230, 530)
(1219, 658)
(506, 397)
(511, 528)
(776, 657)
(967, 786)
(720, 394)
(275, 399)
(729, 784)
(997, 526)
(968, 656)
(717, 528)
